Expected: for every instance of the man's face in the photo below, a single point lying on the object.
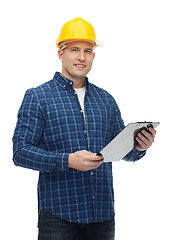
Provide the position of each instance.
(77, 59)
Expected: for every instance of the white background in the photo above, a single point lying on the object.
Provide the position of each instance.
(139, 61)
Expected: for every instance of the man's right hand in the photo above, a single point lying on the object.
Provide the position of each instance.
(84, 160)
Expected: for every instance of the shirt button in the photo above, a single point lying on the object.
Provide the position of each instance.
(81, 111)
(91, 173)
(93, 197)
(70, 83)
(84, 131)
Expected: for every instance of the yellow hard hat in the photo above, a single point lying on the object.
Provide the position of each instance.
(77, 30)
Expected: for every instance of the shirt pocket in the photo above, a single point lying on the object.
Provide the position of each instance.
(101, 119)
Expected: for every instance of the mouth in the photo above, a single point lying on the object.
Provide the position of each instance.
(80, 66)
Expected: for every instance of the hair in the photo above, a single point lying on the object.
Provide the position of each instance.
(62, 45)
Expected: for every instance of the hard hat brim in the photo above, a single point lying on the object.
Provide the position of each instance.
(58, 44)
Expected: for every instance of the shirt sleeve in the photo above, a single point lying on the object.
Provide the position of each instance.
(27, 134)
(118, 126)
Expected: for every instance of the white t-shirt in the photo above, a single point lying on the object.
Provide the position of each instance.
(81, 95)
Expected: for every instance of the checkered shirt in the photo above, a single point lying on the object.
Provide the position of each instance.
(50, 126)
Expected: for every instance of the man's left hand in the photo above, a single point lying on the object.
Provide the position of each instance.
(145, 139)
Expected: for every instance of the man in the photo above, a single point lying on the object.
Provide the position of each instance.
(61, 126)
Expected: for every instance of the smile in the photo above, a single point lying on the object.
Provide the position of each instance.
(80, 65)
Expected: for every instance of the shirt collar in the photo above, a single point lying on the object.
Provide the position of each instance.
(65, 82)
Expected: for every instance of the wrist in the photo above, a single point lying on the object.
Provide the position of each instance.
(70, 159)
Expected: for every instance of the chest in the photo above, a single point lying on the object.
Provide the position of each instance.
(63, 111)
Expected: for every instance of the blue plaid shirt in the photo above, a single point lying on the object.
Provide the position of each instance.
(50, 126)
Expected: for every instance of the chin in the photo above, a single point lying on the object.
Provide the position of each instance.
(82, 75)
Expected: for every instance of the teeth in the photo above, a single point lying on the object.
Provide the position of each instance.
(80, 65)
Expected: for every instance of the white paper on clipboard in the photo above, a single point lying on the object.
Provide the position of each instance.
(123, 143)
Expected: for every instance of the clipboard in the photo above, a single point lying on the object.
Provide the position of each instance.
(123, 143)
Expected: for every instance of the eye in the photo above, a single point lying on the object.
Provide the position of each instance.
(74, 49)
(88, 51)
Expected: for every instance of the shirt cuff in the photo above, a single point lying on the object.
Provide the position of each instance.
(138, 154)
(62, 161)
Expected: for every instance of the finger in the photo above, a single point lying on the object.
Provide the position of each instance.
(153, 131)
(141, 143)
(100, 160)
(95, 164)
(147, 141)
(96, 157)
(148, 135)
(91, 154)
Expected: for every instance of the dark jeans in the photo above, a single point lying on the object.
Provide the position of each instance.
(54, 228)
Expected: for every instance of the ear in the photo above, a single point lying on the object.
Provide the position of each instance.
(60, 54)
(93, 55)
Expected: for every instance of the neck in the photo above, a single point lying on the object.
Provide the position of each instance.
(78, 82)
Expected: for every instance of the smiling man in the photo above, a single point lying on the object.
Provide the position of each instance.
(77, 58)
(61, 126)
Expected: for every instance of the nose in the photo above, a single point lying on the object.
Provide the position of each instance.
(81, 56)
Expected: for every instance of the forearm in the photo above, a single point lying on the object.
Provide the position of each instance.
(40, 160)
